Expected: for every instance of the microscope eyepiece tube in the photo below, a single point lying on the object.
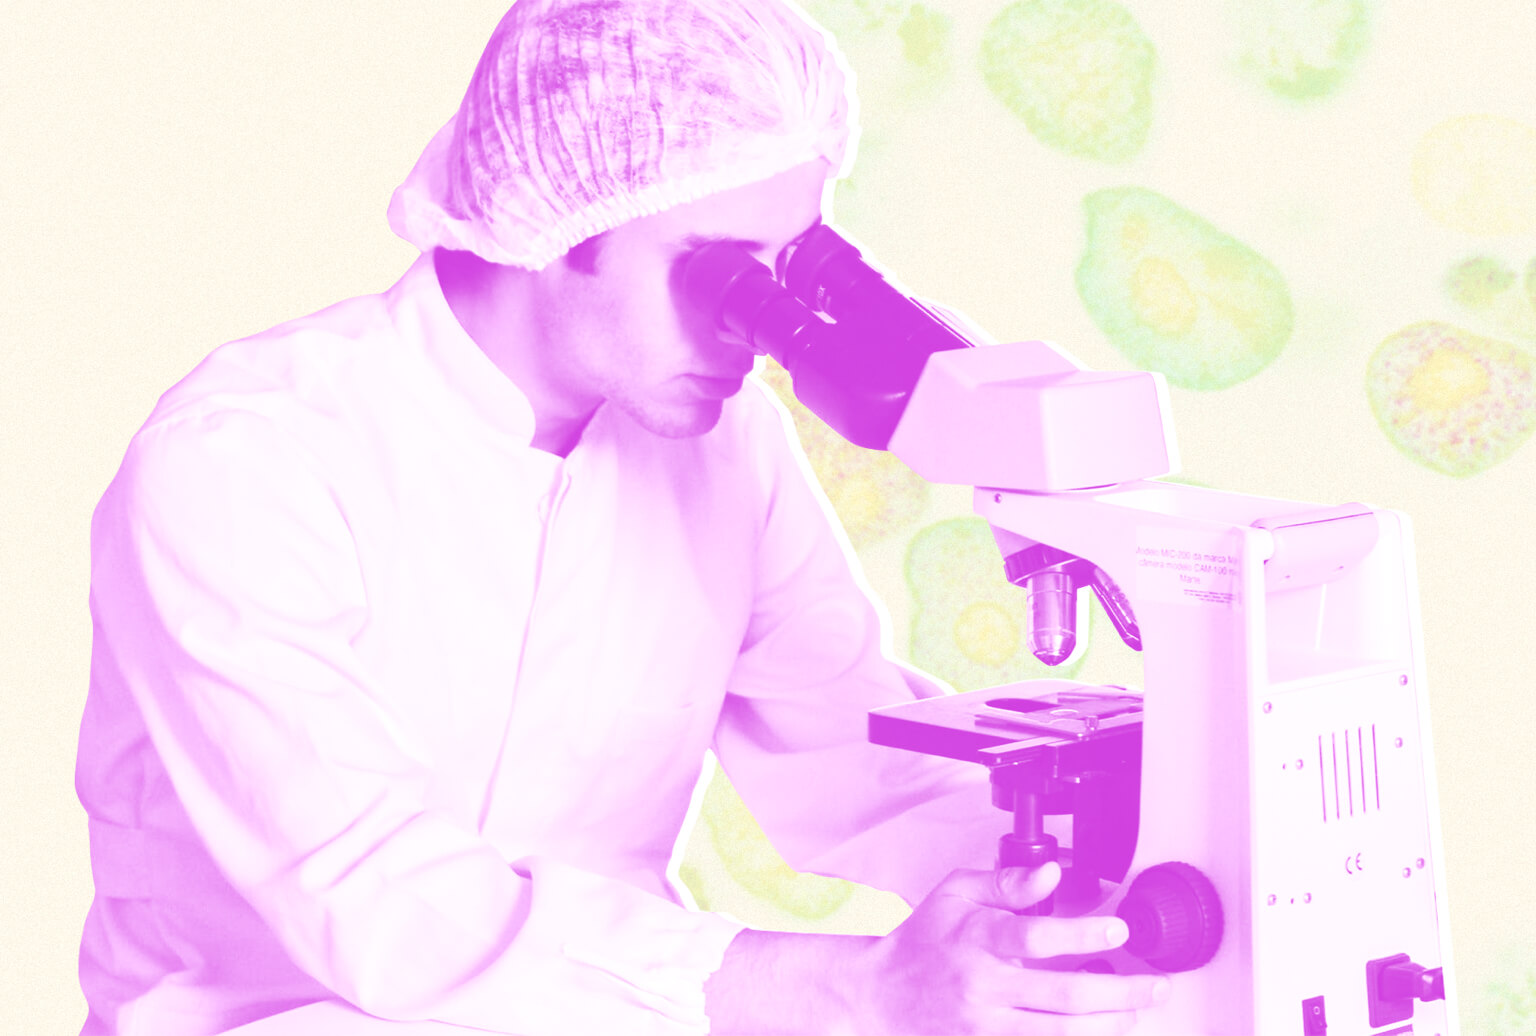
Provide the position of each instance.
(828, 274)
(849, 375)
(741, 296)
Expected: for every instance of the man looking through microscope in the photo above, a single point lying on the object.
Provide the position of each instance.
(415, 617)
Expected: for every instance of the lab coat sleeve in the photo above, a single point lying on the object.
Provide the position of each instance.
(793, 733)
(226, 582)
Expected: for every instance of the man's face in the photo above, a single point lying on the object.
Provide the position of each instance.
(623, 334)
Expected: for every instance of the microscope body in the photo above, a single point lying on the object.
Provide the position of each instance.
(1263, 814)
(1285, 820)
(1285, 745)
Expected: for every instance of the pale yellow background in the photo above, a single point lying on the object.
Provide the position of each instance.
(179, 174)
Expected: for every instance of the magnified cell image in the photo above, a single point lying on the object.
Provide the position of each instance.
(1452, 400)
(1477, 174)
(1175, 294)
(1302, 49)
(1475, 283)
(751, 861)
(1077, 72)
(969, 624)
(873, 493)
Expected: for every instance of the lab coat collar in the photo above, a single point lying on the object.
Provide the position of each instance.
(418, 306)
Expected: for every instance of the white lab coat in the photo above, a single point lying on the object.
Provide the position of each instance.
(395, 716)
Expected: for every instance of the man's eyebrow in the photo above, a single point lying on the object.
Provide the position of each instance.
(693, 241)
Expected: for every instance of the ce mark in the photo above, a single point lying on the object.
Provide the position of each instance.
(1352, 864)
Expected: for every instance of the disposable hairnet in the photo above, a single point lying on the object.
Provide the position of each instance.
(585, 114)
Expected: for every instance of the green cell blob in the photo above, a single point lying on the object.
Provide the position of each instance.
(1174, 294)
(873, 493)
(1302, 50)
(1078, 72)
(1452, 400)
(1476, 282)
(1512, 1005)
(753, 863)
(968, 622)
(1489, 288)
(1530, 283)
(925, 38)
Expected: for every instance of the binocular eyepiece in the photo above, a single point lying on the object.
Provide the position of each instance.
(853, 345)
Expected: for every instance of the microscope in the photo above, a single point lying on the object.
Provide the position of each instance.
(1263, 815)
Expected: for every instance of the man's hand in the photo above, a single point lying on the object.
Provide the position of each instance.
(958, 966)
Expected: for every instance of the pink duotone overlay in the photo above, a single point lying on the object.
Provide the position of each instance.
(394, 719)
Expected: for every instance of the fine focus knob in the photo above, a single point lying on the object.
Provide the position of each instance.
(1174, 916)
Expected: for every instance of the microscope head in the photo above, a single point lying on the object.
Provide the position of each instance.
(888, 372)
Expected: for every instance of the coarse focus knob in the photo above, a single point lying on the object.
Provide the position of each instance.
(1174, 916)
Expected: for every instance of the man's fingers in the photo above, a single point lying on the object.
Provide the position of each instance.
(1009, 888)
(1082, 992)
(1036, 938)
(978, 910)
(1032, 1001)
(1033, 1023)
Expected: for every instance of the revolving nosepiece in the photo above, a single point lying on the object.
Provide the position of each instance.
(1050, 578)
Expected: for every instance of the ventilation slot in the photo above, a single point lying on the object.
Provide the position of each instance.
(1348, 778)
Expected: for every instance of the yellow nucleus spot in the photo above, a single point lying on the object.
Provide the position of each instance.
(1446, 379)
(986, 633)
(858, 500)
(1162, 298)
(1477, 174)
(1134, 234)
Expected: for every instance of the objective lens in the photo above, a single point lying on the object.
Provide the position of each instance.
(1052, 599)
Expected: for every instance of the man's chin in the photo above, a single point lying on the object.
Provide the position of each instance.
(678, 422)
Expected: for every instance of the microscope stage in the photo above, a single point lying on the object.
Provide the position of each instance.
(1009, 723)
